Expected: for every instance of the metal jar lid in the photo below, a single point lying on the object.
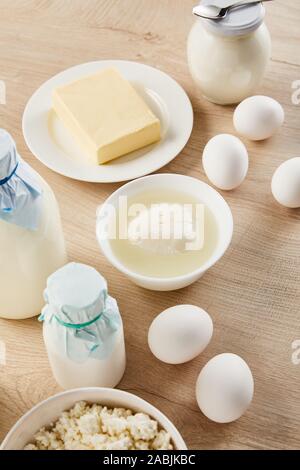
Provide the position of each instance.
(238, 22)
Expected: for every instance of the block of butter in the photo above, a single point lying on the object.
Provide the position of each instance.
(106, 115)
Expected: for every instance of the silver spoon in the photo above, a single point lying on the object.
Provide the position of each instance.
(213, 12)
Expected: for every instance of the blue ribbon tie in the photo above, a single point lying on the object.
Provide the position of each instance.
(5, 180)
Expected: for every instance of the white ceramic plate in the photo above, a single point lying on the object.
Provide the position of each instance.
(53, 145)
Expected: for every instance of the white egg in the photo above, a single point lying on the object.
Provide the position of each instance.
(258, 117)
(286, 183)
(180, 333)
(225, 161)
(225, 388)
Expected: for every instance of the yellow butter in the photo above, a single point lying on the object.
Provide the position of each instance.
(106, 115)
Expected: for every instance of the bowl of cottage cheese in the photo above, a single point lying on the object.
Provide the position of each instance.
(94, 419)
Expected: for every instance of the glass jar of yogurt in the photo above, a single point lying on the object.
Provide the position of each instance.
(83, 329)
(228, 57)
(31, 236)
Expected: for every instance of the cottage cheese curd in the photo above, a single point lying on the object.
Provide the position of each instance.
(96, 427)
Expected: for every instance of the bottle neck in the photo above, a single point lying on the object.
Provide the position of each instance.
(228, 35)
(8, 157)
(6, 179)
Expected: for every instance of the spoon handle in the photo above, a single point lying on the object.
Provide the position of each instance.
(239, 3)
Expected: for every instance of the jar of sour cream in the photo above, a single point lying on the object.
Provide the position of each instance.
(228, 57)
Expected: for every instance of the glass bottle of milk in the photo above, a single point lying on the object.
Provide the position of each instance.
(83, 329)
(31, 237)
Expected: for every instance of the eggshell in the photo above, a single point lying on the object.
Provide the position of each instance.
(258, 117)
(180, 333)
(225, 161)
(224, 388)
(286, 183)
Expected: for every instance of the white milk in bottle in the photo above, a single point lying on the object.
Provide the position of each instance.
(31, 238)
(83, 329)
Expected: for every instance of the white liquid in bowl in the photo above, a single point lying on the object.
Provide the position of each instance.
(166, 258)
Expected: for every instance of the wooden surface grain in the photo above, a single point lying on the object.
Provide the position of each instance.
(252, 294)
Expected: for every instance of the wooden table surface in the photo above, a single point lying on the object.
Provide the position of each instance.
(252, 294)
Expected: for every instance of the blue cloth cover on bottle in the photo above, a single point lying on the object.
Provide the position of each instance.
(20, 192)
(85, 320)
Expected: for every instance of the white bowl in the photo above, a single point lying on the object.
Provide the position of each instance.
(196, 188)
(49, 410)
